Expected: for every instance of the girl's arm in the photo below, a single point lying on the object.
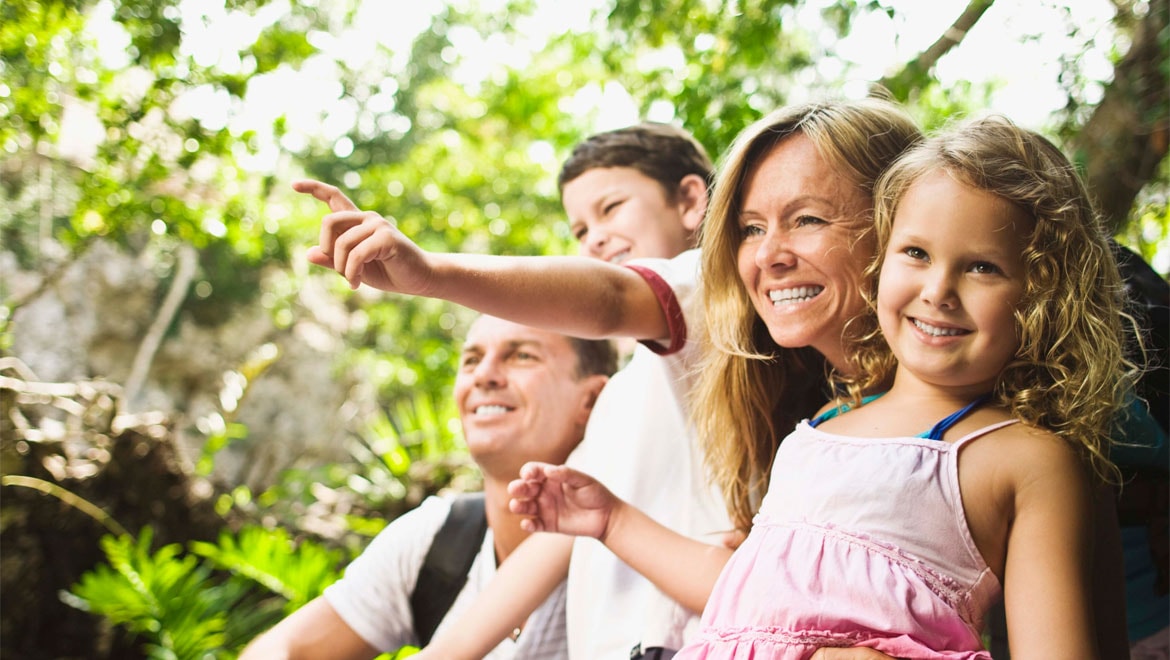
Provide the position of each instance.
(522, 583)
(578, 296)
(1048, 585)
(560, 499)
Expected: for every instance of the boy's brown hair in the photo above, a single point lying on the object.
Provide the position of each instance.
(663, 152)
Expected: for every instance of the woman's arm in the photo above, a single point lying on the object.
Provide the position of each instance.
(561, 499)
(522, 583)
(1109, 577)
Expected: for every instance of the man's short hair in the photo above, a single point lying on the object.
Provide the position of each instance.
(594, 356)
(663, 152)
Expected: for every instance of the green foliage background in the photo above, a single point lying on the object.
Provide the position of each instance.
(458, 166)
(452, 165)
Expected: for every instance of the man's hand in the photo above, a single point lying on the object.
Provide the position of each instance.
(560, 499)
(364, 247)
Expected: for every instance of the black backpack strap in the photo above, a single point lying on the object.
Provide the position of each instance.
(444, 571)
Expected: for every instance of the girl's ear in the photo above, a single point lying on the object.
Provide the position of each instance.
(692, 200)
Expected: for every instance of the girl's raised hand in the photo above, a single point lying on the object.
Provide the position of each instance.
(556, 498)
(364, 247)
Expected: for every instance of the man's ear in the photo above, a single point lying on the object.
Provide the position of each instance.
(692, 200)
(592, 389)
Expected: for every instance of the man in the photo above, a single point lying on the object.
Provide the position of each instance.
(522, 394)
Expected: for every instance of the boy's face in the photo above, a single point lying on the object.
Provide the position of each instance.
(618, 213)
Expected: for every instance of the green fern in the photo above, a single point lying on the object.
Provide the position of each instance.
(269, 558)
(170, 600)
(206, 603)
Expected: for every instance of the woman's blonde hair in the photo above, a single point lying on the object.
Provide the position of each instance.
(749, 392)
(1069, 374)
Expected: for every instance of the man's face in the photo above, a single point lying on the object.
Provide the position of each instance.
(618, 213)
(519, 396)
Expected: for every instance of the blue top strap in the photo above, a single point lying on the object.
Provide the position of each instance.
(936, 433)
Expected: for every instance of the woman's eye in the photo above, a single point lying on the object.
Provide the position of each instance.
(751, 230)
(468, 362)
(805, 220)
(579, 232)
(608, 208)
(916, 253)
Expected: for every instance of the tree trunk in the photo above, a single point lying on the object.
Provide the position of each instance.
(1127, 136)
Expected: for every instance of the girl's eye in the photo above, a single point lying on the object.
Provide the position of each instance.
(985, 268)
(579, 233)
(468, 362)
(916, 253)
(610, 207)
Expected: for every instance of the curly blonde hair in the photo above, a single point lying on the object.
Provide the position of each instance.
(1069, 374)
(749, 392)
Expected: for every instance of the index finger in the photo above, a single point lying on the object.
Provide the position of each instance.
(331, 195)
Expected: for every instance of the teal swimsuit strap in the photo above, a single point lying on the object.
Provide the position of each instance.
(842, 409)
(935, 433)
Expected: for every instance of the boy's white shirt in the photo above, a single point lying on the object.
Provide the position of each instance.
(639, 444)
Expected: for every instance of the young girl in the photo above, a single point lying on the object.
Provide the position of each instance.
(998, 306)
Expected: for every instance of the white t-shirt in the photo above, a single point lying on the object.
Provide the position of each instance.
(373, 597)
(639, 444)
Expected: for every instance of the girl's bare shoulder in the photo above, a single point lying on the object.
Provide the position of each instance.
(1020, 454)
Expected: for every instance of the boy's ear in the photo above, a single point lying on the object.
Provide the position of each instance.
(692, 200)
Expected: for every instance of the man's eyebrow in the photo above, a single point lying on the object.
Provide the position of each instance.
(510, 345)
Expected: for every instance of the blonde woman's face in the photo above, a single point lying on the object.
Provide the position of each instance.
(799, 256)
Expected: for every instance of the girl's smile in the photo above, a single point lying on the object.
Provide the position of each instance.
(952, 277)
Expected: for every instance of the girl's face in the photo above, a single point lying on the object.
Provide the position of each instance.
(951, 281)
(799, 257)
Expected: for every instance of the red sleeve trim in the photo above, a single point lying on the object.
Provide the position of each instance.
(675, 321)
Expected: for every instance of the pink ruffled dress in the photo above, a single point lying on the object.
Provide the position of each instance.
(859, 542)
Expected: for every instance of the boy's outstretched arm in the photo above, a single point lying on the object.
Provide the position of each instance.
(560, 499)
(577, 296)
(524, 581)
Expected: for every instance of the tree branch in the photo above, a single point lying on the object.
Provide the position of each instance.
(184, 274)
(913, 75)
